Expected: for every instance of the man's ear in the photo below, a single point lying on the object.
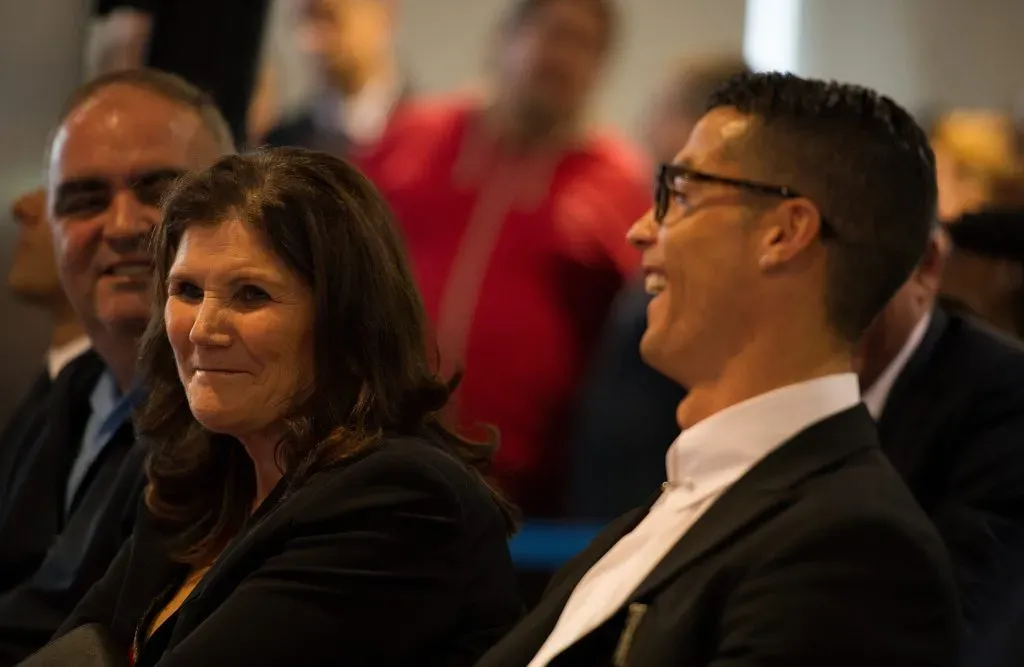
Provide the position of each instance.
(792, 227)
(930, 269)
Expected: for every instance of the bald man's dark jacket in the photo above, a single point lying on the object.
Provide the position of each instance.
(62, 555)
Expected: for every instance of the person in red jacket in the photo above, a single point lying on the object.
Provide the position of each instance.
(515, 216)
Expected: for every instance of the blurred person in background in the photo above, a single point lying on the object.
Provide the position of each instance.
(626, 412)
(352, 45)
(985, 272)
(514, 212)
(947, 393)
(122, 140)
(679, 101)
(975, 152)
(33, 279)
(265, 108)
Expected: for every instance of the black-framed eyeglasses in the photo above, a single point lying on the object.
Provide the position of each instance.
(668, 174)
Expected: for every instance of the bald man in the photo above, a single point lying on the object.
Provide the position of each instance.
(122, 141)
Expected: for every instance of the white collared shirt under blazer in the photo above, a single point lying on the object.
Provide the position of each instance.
(704, 461)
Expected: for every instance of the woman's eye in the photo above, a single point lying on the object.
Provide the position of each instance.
(250, 294)
(186, 291)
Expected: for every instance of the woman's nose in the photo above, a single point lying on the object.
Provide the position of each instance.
(209, 328)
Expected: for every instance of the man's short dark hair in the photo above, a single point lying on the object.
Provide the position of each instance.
(867, 165)
(606, 10)
(163, 84)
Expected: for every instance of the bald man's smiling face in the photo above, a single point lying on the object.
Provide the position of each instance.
(111, 162)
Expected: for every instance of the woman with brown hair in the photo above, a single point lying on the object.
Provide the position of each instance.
(305, 504)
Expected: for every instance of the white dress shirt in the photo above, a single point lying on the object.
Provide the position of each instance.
(704, 461)
(876, 396)
(59, 356)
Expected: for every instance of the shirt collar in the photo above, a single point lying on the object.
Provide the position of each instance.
(361, 118)
(59, 356)
(106, 396)
(722, 448)
(877, 394)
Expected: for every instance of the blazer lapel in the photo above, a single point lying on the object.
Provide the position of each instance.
(764, 491)
(911, 400)
(520, 645)
(36, 492)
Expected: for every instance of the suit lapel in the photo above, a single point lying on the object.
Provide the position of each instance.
(520, 645)
(911, 400)
(764, 491)
(37, 482)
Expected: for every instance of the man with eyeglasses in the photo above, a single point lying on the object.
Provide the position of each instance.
(626, 410)
(783, 535)
(122, 141)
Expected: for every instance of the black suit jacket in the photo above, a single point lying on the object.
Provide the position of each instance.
(17, 440)
(817, 556)
(953, 426)
(398, 557)
(57, 556)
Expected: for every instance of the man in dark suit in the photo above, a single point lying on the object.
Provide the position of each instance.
(947, 393)
(352, 42)
(122, 141)
(783, 535)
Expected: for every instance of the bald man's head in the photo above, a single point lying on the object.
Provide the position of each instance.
(122, 141)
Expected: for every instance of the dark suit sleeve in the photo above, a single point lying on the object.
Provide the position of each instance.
(100, 601)
(981, 516)
(860, 593)
(367, 576)
(31, 616)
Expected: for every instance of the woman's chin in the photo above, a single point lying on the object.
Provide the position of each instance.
(217, 420)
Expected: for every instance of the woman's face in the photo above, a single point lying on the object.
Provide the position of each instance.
(241, 326)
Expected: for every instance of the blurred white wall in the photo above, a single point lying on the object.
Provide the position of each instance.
(927, 54)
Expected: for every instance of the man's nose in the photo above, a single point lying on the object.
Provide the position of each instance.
(128, 224)
(644, 232)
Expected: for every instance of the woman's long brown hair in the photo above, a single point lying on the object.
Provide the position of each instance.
(373, 373)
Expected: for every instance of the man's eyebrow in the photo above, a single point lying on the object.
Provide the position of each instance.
(152, 174)
(85, 184)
